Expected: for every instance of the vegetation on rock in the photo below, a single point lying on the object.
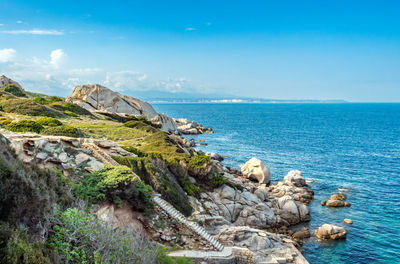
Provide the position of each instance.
(48, 121)
(115, 184)
(79, 237)
(73, 108)
(28, 107)
(25, 126)
(14, 90)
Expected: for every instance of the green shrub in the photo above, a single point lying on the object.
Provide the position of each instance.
(76, 109)
(24, 126)
(17, 246)
(27, 107)
(27, 193)
(40, 100)
(189, 187)
(160, 178)
(48, 121)
(14, 90)
(79, 237)
(197, 162)
(216, 180)
(5, 122)
(135, 151)
(66, 131)
(71, 114)
(115, 184)
(48, 100)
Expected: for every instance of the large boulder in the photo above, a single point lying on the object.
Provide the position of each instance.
(255, 169)
(330, 231)
(337, 200)
(96, 97)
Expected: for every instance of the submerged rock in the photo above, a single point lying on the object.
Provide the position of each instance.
(348, 221)
(337, 200)
(331, 231)
(255, 169)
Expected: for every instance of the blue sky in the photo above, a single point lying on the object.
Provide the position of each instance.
(269, 49)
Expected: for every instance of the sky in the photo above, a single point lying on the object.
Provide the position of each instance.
(347, 50)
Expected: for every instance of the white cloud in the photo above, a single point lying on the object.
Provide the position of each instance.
(7, 55)
(53, 77)
(34, 32)
(19, 22)
(56, 57)
(190, 29)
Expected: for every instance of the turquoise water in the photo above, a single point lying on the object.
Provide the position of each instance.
(354, 148)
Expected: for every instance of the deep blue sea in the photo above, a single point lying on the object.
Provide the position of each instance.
(348, 148)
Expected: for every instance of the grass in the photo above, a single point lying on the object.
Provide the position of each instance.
(66, 131)
(72, 108)
(143, 138)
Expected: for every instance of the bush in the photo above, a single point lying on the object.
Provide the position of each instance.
(27, 193)
(160, 178)
(216, 180)
(48, 100)
(76, 109)
(17, 246)
(189, 187)
(27, 107)
(14, 90)
(115, 184)
(5, 122)
(25, 126)
(71, 114)
(66, 131)
(134, 151)
(48, 121)
(197, 162)
(79, 237)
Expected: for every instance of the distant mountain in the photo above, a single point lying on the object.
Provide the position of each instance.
(169, 97)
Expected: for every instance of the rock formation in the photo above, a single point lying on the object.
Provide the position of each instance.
(188, 127)
(255, 169)
(64, 153)
(4, 80)
(330, 231)
(337, 200)
(95, 97)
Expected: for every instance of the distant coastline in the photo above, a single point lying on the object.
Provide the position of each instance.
(243, 101)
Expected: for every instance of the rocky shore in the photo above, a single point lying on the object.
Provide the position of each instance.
(201, 205)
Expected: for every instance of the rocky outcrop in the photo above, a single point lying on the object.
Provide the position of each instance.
(64, 153)
(188, 127)
(330, 231)
(4, 80)
(293, 185)
(95, 97)
(256, 170)
(347, 221)
(267, 247)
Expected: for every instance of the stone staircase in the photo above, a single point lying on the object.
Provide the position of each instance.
(170, 210)
(100, 154)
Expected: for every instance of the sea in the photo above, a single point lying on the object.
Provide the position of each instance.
(350, 148)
